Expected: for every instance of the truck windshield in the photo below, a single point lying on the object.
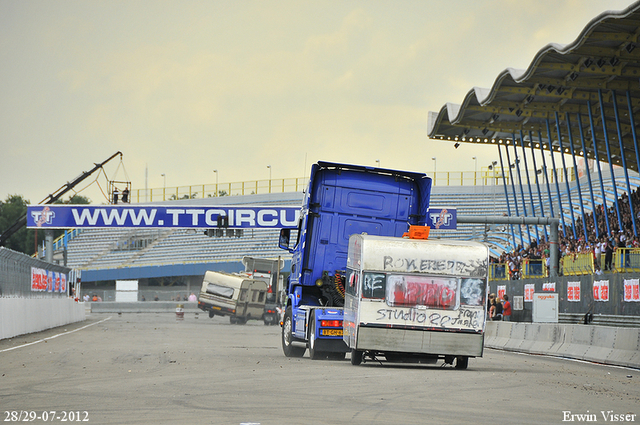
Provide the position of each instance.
(221, 291)
(407, 290)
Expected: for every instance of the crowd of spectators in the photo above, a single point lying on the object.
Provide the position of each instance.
(599, 244)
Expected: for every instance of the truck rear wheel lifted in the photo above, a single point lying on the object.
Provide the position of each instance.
(313, 353)
(287, 337)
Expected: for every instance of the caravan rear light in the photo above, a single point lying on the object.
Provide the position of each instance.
(331, 323)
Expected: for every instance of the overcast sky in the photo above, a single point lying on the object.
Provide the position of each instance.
(186, 87)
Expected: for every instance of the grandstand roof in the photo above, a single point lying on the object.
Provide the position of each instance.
(574, 80)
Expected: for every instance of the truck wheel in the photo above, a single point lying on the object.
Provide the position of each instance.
(211, 314)
(462, 362)
(233, 320)
(356, 356)
(313, 353)
(287, 337)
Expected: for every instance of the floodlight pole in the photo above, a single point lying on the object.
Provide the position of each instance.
(550, 221)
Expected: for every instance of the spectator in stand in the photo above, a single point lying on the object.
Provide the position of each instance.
(608, 254)
(193, 298)
(622, 236)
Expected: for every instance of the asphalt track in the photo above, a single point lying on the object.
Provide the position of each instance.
(155, 369)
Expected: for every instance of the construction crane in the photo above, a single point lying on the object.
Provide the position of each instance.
(53, 197)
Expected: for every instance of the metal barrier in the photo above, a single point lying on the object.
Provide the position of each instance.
(601, 319)
(144, 294)
(626, 260)
(577, 264)
(498, 271)
(534, 268)
(483, 177)
(23, 276)
(200, 191)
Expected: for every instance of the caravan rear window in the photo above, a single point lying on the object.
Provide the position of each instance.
(410, 290)
(419, 290)
(219, 290)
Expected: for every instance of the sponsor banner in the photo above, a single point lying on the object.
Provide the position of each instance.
(549, 286)
(601, 290)
(180, 217)
(529, 289)
(573, 291)
(442, 218)
(632, 290)
(47, 281)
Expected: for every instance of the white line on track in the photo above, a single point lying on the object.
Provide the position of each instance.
(54, 336)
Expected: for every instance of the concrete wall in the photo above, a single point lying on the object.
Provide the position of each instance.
(601, 344)
(143, 307)
(20, 316)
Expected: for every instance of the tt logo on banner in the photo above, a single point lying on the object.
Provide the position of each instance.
(43, 217)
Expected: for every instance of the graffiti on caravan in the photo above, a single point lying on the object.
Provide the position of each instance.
(75, 216)
(472, 267)
(470, 318)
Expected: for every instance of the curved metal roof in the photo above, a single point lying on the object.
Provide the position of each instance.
(572, 81)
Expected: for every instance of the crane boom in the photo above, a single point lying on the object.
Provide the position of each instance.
(22, 221)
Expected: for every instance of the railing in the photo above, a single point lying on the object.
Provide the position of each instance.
(626, 260)
(483, 177)
(601, 319)
(534, 268)
(577, 264)
(253, 187)
(498, 271)
(493, 177)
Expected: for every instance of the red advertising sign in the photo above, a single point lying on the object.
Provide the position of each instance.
(529, 289)
(38, 279)
(44, 280)
(601, 290)
(573, 291)
(632, 290)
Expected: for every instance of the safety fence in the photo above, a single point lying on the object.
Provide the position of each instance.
(529, 268)
(253, 187)
(26, 277)
(577, 264)
(484, 177)
(623, 260)
(606, 294)
(498, 271)
(142, 295)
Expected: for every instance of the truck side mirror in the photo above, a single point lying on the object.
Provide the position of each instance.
(285, 236)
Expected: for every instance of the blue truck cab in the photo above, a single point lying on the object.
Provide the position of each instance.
(341, 200)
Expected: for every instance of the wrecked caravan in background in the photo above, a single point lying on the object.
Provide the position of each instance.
(234, 295)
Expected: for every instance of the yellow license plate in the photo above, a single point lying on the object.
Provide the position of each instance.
(331, 332)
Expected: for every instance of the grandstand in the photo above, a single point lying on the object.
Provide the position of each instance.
(107, 254)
